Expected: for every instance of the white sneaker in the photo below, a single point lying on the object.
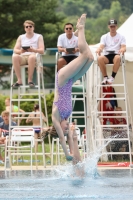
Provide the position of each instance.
(110, 80)
(104, 82)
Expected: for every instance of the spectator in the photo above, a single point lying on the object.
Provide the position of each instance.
(118, 120)
(113, 44)
(1, 120)
(67, 40)
(14, 108)
(27, 56)
(34, 117)
(108, 105)
(4, 128)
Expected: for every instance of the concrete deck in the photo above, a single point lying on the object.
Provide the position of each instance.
(51, 168)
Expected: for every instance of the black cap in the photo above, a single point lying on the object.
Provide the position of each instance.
(112, 22)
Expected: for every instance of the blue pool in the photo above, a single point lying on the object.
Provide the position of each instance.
(60, 184)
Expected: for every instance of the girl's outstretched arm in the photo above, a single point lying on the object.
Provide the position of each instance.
(57, 125)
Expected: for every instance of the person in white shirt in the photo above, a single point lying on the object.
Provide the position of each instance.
(21, 56)
(65, 41)
(112, 44)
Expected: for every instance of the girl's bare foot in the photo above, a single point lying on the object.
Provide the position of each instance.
(81, 21)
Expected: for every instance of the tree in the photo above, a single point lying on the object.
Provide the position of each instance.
(13, 13)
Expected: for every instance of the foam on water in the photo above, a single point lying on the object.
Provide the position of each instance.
(80, 182)
(60, 184)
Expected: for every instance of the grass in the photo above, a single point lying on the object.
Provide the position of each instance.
(24, 160)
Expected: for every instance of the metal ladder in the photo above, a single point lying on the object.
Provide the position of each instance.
(99, 128)
(24, 95)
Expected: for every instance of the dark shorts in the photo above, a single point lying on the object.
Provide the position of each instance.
(37, 130)
(5, 133)
(68, 59)
(110, 57)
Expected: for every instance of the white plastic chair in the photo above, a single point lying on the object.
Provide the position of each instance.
(13, 144)
(77, 129)
(58, 151)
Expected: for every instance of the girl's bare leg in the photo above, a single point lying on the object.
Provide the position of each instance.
(73, 144)
(78, 169)
(82, 71)
(76, 153)
(70, 143)
(71, 69)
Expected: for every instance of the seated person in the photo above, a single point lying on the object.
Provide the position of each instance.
(1, 120)
(4, 126)
(14, 108)
(67, 40)
(107, 105)
(117, 120)
(27, 56)
(35, 119)
(113, 44)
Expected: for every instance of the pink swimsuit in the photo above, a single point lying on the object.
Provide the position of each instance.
(64, 103)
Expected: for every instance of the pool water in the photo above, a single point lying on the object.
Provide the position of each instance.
(58, 184)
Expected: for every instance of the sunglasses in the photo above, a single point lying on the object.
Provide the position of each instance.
(112, 26)
(68, 28)
(28, 26)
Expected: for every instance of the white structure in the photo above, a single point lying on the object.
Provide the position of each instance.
(126, 30)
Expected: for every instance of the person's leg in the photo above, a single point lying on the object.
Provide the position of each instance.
(82, 71)
(36, 142)
(78, 169)
(60, 63)
(16, 60)
(70, 142)
(31, 67)
(76, 153)
(102, 61)
(73, 144)
(116, 62)
(71, 69)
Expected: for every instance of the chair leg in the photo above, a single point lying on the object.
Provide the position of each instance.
(56, 148)
(36, 154)
(52, 152)
(43, 151)
(31, 158)
(58, 153)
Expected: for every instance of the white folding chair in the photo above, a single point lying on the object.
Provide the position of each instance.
(77, 129)
(56, 150)
(13, 144)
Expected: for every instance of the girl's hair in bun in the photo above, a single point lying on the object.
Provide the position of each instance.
(36, 106)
